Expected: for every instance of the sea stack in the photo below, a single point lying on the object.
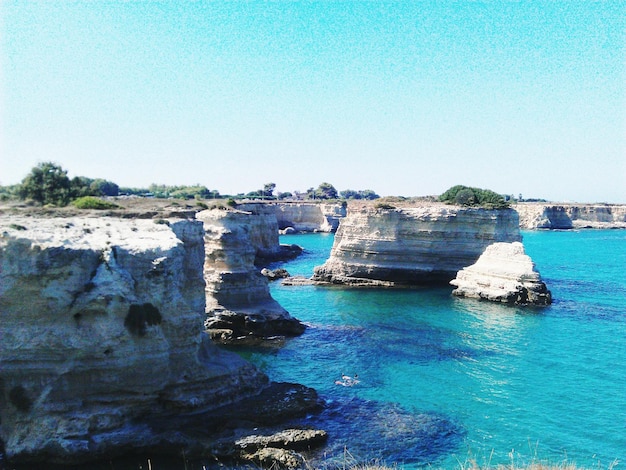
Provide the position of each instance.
(503, 273)
(425, 244)
(239, 306)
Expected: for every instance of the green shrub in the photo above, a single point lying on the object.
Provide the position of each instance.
(384, 205)
(90, 202)
(468, 196)
(17, 227)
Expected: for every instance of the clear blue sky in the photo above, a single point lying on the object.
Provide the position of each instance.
(402, 97)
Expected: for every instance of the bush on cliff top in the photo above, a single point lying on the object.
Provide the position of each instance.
(90, 202)
(468, 196)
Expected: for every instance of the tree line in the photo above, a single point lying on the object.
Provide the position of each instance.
(48, 184)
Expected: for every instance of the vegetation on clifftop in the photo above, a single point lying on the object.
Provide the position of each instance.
(474, 197)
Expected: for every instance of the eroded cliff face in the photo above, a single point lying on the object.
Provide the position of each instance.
(503, 273)
(238, 301)
(416, 245)
(309, 217)
(263, 234)
(571, 216)
(101, 323)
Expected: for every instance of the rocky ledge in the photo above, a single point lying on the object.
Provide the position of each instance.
(103, 351)
(426, 244)
(503, 273)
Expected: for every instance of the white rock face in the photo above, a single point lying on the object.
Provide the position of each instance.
(416, 245)
(503, 273)
(101, 324)
(238, 301)
(567, 216)
(310, 217)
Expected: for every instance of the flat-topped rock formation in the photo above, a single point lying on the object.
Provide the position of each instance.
(413, 245)
(570, 216)
(238, 302)
(101, 325)
(309, 217)
(503, 273)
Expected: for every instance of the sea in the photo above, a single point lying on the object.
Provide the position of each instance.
(434, 381)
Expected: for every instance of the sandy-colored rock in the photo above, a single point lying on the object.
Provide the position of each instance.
(571, 216)
(101, 323)
(413, 245)
(309, 217)
(503, 273)
(238, 297)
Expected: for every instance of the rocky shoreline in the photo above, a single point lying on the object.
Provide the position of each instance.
(103, 346)
(107, 318)
(550, 216)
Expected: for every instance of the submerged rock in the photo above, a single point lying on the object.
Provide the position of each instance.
(274, 274)
(503, 273)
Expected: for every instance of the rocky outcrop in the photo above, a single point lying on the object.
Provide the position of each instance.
(571, 216)
(101, 323)
(238, 302)
(413, 245)
(262, 227)
(275, 450)
(309, 217)
(503, 273)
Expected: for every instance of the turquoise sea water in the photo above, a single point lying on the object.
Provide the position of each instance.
(446, 380)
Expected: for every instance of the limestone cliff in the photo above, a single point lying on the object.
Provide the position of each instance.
(238, 301)
(413, 245)
(262, 226)
(503, 273)
(101, 323)
(310, 217)
(571, 216)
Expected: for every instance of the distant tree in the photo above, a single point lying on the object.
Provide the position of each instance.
(9, 192)
(368, 194)
(104, 188)
(81, 187)
(364, 194)
(268, 189)
(179, 192)
(350, 194)
(47, 183)
(134, 191)
(285, 195)
(325, 191)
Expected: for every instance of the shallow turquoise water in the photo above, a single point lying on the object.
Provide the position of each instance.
(444, 380)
